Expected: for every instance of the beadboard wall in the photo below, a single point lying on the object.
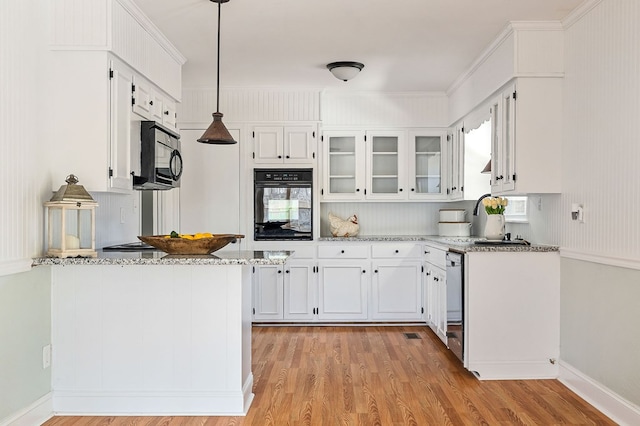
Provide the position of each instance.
(601, 151)
(393, 218)
(248, 105)
(384, 109)
(21, 185)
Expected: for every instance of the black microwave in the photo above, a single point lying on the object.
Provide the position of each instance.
(160, 159)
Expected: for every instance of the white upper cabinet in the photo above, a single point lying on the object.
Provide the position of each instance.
(284, 144)
(385, 166)
(120, 167)
(151, 104)
(101, 51)
(389, 165)
(526, 137)
(427, 151)
(343, 165)
(455, 169)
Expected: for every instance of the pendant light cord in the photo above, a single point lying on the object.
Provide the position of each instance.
(218, 66)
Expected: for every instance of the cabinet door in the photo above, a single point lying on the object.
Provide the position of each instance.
(120, 127)
(503, 175)
(169, 115)
(268, 145)
(299, 290)
(396, 290)
(343, 291)
(427, 150)
(455, 169)
(299, 144)
(430, 298)
(343, 165)
(268, 292)
(142, 98)
(440, 299)
(385, 165)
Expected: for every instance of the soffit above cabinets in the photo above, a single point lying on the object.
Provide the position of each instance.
(422, 45)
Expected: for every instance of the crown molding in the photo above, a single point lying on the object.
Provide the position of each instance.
(579, 12)
(150, 27)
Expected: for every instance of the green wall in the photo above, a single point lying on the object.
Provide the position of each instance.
(25, 327)
(600, 324)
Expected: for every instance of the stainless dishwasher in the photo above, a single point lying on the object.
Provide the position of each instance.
(455, 303)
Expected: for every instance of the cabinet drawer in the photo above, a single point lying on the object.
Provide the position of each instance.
(305, 252)
(344, 251)
(436, 256)
(399, 250)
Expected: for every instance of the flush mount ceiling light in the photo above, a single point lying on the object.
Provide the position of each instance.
(345, 70)
(217, 133)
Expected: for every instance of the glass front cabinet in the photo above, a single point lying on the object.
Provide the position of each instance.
(343, 165)
(427, 153)
(384, 165)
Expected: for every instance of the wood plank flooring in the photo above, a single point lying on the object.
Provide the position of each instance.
(351, 375)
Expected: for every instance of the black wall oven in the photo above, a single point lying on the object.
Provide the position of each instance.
(283, 204)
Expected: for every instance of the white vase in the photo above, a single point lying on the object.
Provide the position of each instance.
(494, 228)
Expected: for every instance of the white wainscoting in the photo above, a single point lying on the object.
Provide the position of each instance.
(601, 149)
(21, 149)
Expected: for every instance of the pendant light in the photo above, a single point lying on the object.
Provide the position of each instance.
(217, 133)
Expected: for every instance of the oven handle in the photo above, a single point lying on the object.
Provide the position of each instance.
(283, 185)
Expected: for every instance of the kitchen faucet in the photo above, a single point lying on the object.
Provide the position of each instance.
(475, 209)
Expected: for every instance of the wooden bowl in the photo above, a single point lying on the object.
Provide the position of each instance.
(185, 246)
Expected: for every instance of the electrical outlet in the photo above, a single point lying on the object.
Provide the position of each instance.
(122, 215)
(46, 356)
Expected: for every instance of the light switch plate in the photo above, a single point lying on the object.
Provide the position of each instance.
(46, 356)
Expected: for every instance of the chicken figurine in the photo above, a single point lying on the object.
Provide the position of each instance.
(343, 228)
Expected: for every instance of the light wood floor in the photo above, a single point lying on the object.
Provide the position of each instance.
(376, 376)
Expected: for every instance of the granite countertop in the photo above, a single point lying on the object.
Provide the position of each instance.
(152, 257)
(458, 244)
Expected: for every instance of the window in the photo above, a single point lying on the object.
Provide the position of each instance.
(516, 210)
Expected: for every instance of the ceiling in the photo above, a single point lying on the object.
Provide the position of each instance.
(406, 45)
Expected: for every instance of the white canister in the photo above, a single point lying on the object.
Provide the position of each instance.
(452, 215)
(454, 229)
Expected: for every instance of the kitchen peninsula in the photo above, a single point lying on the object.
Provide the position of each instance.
(150, 333)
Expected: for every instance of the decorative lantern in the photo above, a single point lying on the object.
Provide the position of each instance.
(71, 221)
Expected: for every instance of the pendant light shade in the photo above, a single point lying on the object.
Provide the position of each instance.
(345, 70)
(487, 168)
(217, 133)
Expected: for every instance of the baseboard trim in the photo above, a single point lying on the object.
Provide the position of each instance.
(157, 403)
(10, 267)
(604, 399)
(513, 370)
(35, 414)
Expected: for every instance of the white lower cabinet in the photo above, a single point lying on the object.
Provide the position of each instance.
(268, 284)
(299, 290)
(342, 290)
(284, 292)
(436, 291)
(396, 290)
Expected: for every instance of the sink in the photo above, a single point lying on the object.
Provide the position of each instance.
(502, 242)
(459, 239)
